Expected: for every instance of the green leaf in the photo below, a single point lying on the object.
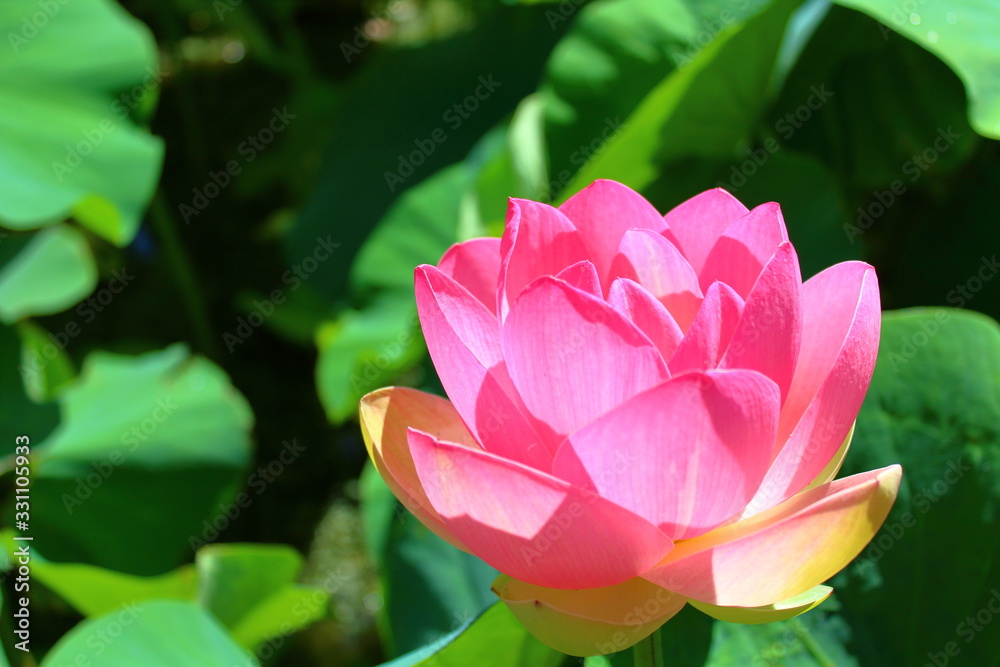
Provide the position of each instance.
(934, 407)
(157, 633)
(18, 413)
(51, 273)
(815, 639)
(377, 151)
(614, 53)
(494, 638)
(687, 638)
(526, 147)
(149, 450)
(429, 587)
(704, 109)
(251, 589)
(47, 367)
(378, 510)
(95, 591)
(870, 104)
(964, 34)
(418, 229)
(509, 161)
(72, 74)
(363, 350)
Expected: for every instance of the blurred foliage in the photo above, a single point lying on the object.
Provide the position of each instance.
(185, 332)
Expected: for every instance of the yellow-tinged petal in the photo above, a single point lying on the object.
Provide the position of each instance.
(589, 621)
(785, 550)
(779, 611)
(828, 473)
(385, 415)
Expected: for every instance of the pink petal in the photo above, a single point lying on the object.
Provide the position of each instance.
(740, 254)
(573, 357)
(530, 525)
(768, 334)
(475, 265)
(537, 241)
(647, 314)
(464, 343)
(652, 261)
(582, 276)
(698, 223)
(711, 331)
(840, 331)
(687, 455)
(385, 414)
(785, 551)
(602, 212)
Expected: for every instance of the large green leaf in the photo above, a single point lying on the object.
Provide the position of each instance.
(704, 109)
(686, 639)
(429, 587)
(147, 455)
(887, 109)
(398, 124)
(51, 273)
(19, 414)
(45, 367)
(510, 161)
(95, 591)
(614, 53)
(251, 589)
(963, 33)
(815, 639)
(494, 638)
(934, 406)
(418, 229)
(365, 349)
(71, 75)
(692, 639)
(157, 633)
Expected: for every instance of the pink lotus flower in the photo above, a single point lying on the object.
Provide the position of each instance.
(645, 411)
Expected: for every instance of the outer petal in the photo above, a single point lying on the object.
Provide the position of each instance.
(464, 342)
(385, 415)
(841, 321)
(647, 314)
(602, 212)
(475, 265)
(741, 253)
(686, 455)
(531, 525)
(537, 241)
(591, 621)
(698, 223)
(583, 276)
(786, 550)
(711, 331)
(652, 261)
(779, 611)
(573, 357)
(768, 335)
